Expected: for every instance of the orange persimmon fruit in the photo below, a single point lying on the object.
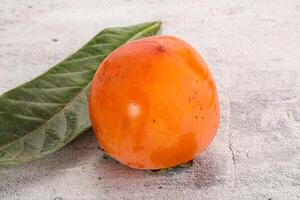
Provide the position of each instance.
(153, 103)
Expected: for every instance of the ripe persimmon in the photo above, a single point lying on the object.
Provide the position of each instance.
(153, 103)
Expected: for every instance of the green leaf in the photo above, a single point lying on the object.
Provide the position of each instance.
(41, 116)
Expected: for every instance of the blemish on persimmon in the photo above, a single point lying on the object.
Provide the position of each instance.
(161, 48)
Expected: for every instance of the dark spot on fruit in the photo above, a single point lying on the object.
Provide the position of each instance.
(196, 116)
(154, 121)
(201, 108)
(161, 48)
(202, 117)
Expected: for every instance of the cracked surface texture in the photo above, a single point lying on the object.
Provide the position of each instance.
(252, 48)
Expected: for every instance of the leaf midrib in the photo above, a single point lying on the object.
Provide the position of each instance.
(76, 96)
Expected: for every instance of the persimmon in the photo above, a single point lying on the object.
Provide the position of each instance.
(153, 103)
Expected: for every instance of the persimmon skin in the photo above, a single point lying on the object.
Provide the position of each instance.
(153, 103)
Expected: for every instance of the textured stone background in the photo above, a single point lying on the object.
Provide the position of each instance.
(253, 49)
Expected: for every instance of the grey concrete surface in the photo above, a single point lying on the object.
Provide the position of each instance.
(253, 50)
